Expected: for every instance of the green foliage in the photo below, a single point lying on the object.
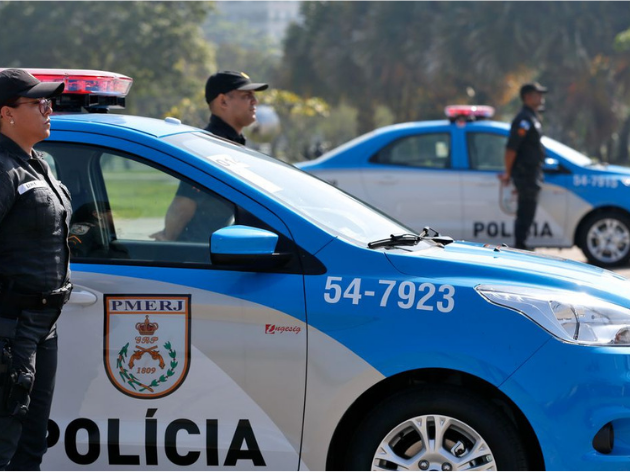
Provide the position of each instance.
(622, 41)
(288, 105)
(159, 44)
(298, 117)
(241, 47)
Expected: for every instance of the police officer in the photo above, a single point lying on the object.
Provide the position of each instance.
(524, 156)
(232, 102)
(34, 273)
(193, 214)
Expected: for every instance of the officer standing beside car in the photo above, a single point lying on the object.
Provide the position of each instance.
(35, 213)
(192, 214)
(524, 157)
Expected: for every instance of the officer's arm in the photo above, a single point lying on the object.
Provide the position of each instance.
(178, 215)
(510, 157)
(7, 195)
(518, 131)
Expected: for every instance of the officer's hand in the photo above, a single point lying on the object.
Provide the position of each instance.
(504, 178)
(159, 236)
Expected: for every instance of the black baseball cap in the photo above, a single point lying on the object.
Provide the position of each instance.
(19, 83)
(228, 80)
(532, 87)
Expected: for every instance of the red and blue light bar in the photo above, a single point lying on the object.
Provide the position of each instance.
(93, 90)
(468, 112)
(81, 81)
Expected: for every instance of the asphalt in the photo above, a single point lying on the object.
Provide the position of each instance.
(576, 254)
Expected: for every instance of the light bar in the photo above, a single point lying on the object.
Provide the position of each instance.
(92, 82)
(470, 112)
(94, 91)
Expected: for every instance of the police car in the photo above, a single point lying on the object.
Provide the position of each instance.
(443, 174)
(310, 331)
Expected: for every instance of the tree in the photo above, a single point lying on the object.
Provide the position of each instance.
(159, 44)
(243, 48)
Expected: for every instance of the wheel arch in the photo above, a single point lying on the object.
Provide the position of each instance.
(596, 211)
(391, 385)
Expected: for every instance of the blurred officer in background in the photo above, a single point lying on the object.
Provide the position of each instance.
(232, 101)
(524, 157)
(35, 213)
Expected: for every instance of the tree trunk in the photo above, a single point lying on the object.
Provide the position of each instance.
(365, 117)
(622, 157)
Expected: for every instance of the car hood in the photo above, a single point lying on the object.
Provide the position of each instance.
(486, 264)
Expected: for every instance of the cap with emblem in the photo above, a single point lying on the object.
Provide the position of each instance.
(228, 80)
(532, 87)
(19, 83)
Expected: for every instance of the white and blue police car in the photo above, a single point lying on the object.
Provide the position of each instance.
(306, 330)
(443, 174)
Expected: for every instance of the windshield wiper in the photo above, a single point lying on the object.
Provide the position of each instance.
(436, 237)
(396, 240)
(411, 239)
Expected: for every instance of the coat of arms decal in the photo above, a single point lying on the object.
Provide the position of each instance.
(147, 343)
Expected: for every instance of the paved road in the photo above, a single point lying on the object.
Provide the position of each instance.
(575, 254)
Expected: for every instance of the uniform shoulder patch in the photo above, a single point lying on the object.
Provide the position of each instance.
(80, 228)
(524, 124)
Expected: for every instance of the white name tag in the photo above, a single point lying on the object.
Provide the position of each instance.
(31, 185)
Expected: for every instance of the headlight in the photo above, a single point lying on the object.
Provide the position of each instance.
(572, 317)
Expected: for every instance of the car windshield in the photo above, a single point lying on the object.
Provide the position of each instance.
(571, 155)
(310, 197)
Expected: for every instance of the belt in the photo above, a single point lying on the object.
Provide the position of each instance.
(33, 301)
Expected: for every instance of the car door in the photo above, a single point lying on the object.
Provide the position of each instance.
(490, 208)
(411, 179)
(166, 360)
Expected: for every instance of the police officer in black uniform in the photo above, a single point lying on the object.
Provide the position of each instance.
(524, 157)
(232, 102)
(35, 212)
(193, 214)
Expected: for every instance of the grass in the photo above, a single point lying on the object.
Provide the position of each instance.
(140, 193)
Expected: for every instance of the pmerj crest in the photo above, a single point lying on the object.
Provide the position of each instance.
(147, 343)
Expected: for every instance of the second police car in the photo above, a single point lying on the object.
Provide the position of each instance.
(443, 174)
(310, 331)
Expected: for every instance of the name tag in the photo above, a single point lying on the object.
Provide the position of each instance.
(31, 185)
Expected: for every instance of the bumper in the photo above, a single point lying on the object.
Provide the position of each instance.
(568, 393)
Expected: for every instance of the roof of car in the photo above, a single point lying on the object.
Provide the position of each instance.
(150, 126)
(354, 151)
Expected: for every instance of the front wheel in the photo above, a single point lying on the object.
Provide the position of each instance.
(436, 428)
(605, 239)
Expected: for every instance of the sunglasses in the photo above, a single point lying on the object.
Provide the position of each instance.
(45, 105)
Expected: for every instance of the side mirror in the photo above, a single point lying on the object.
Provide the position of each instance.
(246, 248)
(552, 165)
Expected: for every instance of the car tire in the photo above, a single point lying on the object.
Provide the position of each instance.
(605, 239)
(401, 432)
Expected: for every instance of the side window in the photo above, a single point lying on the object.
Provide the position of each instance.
(156, 216)
(126, 211)
(50, 160)
(486, 151)
(426, 150)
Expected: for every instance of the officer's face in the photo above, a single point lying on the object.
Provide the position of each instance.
(31, 120)
(241, 107)
(535, 100)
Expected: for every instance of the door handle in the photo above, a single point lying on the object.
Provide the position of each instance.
(80, 296)
(387, 180)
